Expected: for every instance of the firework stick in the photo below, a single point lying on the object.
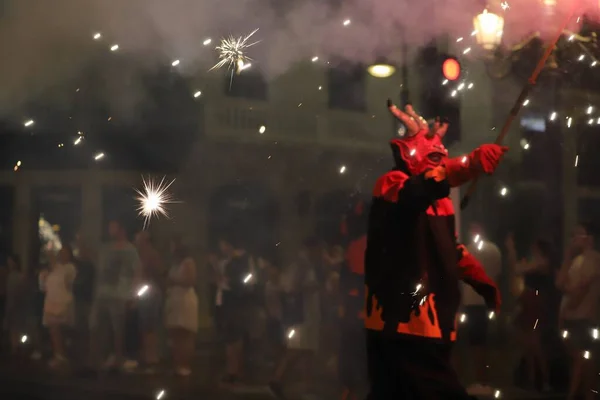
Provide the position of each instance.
(520, 100)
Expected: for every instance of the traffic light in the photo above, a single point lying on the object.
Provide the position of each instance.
(451, 68)
(439, 70)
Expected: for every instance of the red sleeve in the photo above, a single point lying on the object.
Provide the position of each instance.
(473, 274)
(459, 171)
(416, 192)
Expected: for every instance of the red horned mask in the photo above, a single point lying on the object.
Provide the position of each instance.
(421, 147)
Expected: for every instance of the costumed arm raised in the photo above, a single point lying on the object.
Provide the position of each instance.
(474, 275)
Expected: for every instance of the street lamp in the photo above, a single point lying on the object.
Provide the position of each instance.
(488, 29)
(381, 69)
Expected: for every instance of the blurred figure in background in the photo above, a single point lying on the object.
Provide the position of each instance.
(236, 284)
(274, 308)
(533, 306)
(579, 280)
(477, 313)
(83, 291)
(150, 300)
(15, 317)
(117, 264)
(59, 307)
(301, 316)
(353, 352)
(181, 308)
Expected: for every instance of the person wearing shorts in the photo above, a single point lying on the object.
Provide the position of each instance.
(117, 265)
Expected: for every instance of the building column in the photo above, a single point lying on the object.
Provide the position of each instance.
(23, 223)
(91, 214)
(569, 193)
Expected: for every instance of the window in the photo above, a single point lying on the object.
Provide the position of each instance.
(248, 85)
(588, 163)
(347, 87)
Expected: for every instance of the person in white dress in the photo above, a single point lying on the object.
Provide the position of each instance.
(59, 307)
(181, 308)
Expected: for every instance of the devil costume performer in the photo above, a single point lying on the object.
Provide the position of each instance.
(413, 264)
(353, 357)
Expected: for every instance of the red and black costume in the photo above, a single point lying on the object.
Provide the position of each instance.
(413, 265)
(353, 357)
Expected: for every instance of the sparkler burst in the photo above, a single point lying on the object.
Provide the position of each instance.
(232, 52)
(153, 199)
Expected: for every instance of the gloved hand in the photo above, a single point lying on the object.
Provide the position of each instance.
(487, 157)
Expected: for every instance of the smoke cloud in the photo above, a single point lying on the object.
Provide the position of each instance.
(45, 44)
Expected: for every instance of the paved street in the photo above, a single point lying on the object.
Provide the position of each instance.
(33, 381)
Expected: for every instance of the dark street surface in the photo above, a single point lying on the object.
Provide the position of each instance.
(30, 380)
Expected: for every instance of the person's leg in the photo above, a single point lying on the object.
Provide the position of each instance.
(540, 359)
(188, 348)
(57, 341)
(117, 310)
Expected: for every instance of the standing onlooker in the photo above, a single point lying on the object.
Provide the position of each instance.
(83, 290)
(274, 310)
(150, 302)
(181, 308)
(219, 270)
(235, 309)
(59, 310)
(579, 280)
(15, 318)
(301, 314)
(533, 306)
(475, 309)
(117, 264)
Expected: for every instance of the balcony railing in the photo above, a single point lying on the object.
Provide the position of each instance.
(242, 121)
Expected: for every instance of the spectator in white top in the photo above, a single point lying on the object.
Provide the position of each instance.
(59, 308)
(476, 312)
(579, 280)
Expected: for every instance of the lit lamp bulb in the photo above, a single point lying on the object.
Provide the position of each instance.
(489, 28)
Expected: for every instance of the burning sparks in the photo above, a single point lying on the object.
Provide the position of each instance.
(232, 52)
(504, 5)
(207, 41)
(97, 36)
(291, 333)
(342, 169)
(153, 198)
(29, 123)
(114, 47)
(197, 94)
(143, 290)
(160, 395)
(99, 156)
(262, 129)
(24, 339)
(248, 278)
